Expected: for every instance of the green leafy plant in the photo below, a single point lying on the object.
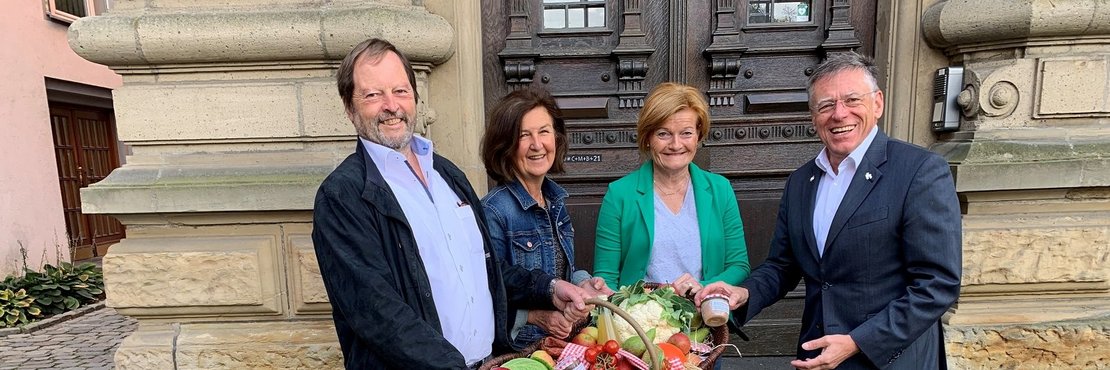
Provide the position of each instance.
(16, 307)
(56, 289)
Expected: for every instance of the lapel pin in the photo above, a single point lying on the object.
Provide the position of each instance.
(811, 178)
(867, 176)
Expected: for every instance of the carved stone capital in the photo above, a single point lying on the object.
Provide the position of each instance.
(960, 23)
(165, 35)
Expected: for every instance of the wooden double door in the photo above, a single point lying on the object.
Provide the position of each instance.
(86, 152)
(751, 58)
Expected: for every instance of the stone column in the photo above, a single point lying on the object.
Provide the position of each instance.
(1032, 164)
(233, 118)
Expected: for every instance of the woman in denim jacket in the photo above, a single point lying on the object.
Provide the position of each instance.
(527, 218)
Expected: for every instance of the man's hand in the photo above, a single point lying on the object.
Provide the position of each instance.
(837, 348)
(686, 285)
(571, 300)
(737, 296)
(595, 286)
(553, 322)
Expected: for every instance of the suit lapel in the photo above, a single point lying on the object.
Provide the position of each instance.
(866, 177)
(809, 196)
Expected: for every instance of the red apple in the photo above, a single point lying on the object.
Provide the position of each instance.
(681, 341)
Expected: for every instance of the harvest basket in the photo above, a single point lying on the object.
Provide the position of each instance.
(719, 335)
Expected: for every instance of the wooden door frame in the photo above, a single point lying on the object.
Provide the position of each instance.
(74, 98)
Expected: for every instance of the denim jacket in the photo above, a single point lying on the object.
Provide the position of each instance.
(521, 234)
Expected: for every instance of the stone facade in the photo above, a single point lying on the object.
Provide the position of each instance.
(233, 118)
(1032, 164)
(234, 121)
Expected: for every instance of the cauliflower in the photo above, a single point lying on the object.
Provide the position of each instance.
(649, 314)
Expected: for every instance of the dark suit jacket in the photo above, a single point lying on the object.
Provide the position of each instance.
(891, 265)
(382, 303)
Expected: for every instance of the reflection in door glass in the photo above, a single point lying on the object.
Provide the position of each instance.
(778, 11)
(561, 14)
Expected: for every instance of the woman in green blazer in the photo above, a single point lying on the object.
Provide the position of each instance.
(670, 221)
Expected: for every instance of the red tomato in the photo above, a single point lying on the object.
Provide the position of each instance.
(612, 347)
(591, 354)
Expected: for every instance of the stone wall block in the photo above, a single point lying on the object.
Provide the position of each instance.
(1060, 79)
(149, 347)
(206, 275)
(207, 111)
(1065, 345)
(1042, 254)
(307, 292)
(304, 344)
(322, 110)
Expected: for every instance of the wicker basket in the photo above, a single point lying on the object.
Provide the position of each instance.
(719, 336)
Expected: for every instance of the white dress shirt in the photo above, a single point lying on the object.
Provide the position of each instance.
(833, 186)
(450, 245)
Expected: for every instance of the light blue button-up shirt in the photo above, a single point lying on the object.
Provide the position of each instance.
(450, 245)
(833, 186)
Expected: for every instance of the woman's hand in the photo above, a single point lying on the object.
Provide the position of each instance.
(595, 286)
(553, 322)
(686, 285)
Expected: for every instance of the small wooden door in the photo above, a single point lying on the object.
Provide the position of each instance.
(85, 149)
(751, 58)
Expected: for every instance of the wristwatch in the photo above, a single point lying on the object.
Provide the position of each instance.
(551, 289)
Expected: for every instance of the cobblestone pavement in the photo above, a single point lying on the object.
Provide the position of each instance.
(86, 342)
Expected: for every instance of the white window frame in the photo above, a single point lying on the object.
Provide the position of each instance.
(91, 7)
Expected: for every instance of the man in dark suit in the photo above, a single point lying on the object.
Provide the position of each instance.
(401, 242)
(872, 225)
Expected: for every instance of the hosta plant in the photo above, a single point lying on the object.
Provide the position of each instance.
(16, 308)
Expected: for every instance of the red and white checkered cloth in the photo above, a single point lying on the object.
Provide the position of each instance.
(574, 357)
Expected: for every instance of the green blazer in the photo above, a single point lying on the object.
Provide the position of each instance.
(626, 223)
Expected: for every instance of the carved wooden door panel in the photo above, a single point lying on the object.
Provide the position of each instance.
(752, 58)
(85, 149)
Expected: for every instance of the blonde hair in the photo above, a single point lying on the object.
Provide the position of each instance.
(664, 101)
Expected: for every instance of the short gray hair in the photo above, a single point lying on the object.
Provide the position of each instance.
(840, 62)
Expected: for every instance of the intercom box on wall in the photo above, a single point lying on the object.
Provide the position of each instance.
(947, 84)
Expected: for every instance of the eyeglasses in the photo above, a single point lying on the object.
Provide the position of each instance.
(826, 106)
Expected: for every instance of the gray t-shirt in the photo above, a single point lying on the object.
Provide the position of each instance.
(677, 245)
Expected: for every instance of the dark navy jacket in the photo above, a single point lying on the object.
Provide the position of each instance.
(891, 265)
(381, 300)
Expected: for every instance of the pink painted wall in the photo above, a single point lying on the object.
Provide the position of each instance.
(33, 47)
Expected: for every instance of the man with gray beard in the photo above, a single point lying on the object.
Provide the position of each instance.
(401, 242)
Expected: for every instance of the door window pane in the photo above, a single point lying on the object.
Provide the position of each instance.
(564, 14)
(778, 11)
